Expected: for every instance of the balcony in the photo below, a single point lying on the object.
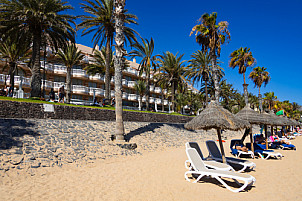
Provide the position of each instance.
(57, 85)
(132, 97)
(157, 90)
(80, 89)
(124, 82)
(125, 95)
(79, 73)
(96, 77)
(17, 79)
(97, 91)
(131, 84)
(158, 100)
(151, 99)
(144, 99)
(132, 71)
(151, 88)
(112, 93)
(60, 69)
(2, 78)
(48, 66)
(166, 102)
(48, 84)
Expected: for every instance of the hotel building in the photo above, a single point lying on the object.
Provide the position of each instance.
(85, 87)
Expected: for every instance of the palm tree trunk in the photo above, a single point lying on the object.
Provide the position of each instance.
(35, 67)
(260, 101)
(68, 83)
(12, 67)
(162, 100)
(118, 63)
(215, 77)
(148, 93)
(245, 92)
(107, 72)
(206, 91)
(173, 96)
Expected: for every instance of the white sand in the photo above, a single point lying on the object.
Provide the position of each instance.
(157, 175)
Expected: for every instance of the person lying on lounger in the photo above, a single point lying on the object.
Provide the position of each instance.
(240, 147)
(276, 139)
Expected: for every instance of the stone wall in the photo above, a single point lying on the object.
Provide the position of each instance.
(14, 109)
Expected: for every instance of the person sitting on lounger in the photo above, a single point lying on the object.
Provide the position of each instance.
(260, 139)
(240, 147)
(276, 139)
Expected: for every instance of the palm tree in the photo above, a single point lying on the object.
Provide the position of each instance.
(145, 50)
(14, 50)
(211, 36)
(140, 87)
(37, 19)
(172, 69)
(270, 98)
(100, 21)
(70, 56)
(200, 69)
(242, 58)
(260, 76)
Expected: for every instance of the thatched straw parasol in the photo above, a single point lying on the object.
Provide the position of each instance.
(215, 116)
(252, 117)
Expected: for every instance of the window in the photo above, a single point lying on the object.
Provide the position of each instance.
(59, 79)
(92, 84)
(77, 82)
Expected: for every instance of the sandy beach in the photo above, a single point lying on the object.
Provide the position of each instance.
(156, 174)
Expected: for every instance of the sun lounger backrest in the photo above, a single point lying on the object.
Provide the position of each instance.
(194, 145)
(213, 149)
(194, 157)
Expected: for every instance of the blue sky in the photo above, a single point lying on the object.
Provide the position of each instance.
(270, 28)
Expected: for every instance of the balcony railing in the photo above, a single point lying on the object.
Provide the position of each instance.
(96, 77)
(79, 73)
(60, 69)
(132, 71)
(57, 85)
(80, 89)
(48, 84)
(124, 82)
(48, 66)
(131, 83)
(17, 79)
(132, 97)
(158, 100)
(98, 91)
(112, 93)
(152, 88)
(157, 90)
(151, 99)
(125, 95)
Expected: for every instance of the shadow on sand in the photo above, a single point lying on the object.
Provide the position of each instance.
(12, 129)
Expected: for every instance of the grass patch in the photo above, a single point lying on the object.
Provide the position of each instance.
(34, 100)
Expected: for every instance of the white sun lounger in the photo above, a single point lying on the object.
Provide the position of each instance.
(208, 163)
(216, 155)
(200, 169)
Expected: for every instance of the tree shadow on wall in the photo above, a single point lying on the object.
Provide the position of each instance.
(13, 129)
(150, 127)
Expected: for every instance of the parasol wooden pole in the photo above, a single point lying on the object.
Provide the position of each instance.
(282, 131)
(265, 130)
(272, 130)
(221, 145)
(252, 140)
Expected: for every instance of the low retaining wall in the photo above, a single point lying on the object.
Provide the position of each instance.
(14, 109)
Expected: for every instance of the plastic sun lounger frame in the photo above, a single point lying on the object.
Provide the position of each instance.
(208, 163)
(201, 170)
(215, 154)
(237, 152)
(263, 153)
(284, 146)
